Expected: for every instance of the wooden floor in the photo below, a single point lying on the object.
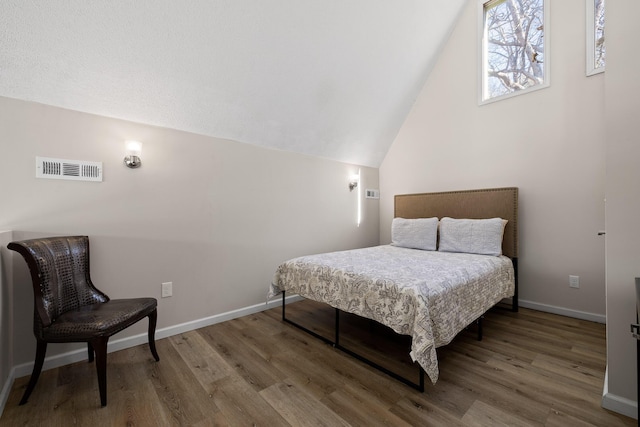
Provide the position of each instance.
(531, 369)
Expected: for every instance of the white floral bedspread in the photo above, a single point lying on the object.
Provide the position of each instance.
(428, 295)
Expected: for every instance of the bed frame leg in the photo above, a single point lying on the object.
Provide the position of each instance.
(337, 339)
(514, 301)
(479, 322)
(283, 304)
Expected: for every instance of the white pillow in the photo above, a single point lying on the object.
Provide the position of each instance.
(419, 233)
(474, 236)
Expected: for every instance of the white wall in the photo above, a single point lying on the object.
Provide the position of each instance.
(213, 216)
(623, 201)
(549, 143)
(6, 316)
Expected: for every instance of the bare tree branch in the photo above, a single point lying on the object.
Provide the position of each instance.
(515, 45)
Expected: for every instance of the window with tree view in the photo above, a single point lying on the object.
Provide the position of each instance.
(595, 37)
(514, 53)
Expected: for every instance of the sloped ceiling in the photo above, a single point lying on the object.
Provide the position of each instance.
(329, 78)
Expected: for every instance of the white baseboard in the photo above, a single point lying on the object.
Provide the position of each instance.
(583, 315)
(618, 404)
(6, 389)
(123, 343)
(621, 405)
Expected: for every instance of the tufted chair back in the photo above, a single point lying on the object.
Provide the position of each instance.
(59, 269)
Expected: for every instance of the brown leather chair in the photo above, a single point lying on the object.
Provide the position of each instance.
(68, 308)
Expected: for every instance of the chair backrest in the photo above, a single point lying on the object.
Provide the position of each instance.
(59, 269)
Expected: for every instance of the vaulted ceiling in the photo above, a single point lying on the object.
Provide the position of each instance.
(328, 78)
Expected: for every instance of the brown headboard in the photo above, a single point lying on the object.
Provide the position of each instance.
(473, 204)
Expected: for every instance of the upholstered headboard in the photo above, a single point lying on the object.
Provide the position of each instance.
(473, 204)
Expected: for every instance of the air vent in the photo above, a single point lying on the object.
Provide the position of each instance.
(75, 170)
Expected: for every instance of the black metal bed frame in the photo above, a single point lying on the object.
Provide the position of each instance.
(336, 341)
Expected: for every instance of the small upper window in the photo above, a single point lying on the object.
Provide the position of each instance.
(595, 37)
(515, 57)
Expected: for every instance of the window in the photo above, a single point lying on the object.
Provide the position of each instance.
(595, 37)
(515, 56)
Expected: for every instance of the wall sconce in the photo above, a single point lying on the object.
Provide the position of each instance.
(133, 150)
(353, 181)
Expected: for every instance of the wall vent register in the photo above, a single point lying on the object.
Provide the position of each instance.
(75, 170)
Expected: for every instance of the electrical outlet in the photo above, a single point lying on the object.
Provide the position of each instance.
(167, 289)
(372, 194)
(574, 281)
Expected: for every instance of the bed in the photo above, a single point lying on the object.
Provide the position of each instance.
(453, 256)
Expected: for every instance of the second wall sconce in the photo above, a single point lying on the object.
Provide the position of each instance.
(133, 150)
(353, 181)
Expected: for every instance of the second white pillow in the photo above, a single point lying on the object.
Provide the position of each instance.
(474, 236)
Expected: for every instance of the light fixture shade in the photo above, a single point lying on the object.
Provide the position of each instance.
(134, 148)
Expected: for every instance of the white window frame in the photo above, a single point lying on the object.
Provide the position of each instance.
(482, 75)
(591, 40)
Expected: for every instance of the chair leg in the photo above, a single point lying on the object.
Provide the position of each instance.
(41, 349)
(91, 352)
(100, 347)
(153, 318)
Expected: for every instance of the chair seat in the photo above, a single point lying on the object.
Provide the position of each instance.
(102, 319)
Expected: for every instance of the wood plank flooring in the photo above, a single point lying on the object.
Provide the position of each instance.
(531, 369)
